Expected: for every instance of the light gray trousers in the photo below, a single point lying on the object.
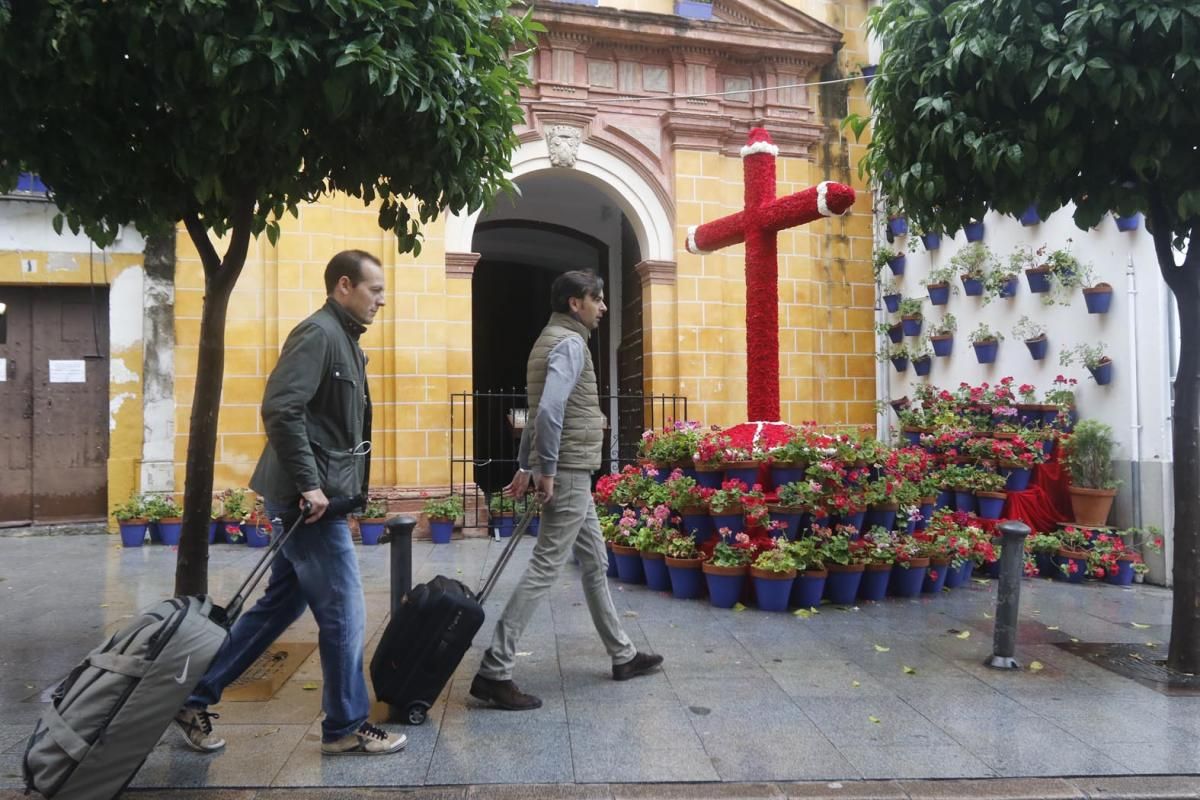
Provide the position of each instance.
(568, 520)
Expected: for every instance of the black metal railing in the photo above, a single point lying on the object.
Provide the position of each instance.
(485, 436)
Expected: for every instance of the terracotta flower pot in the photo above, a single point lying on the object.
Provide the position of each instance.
(1091, 506)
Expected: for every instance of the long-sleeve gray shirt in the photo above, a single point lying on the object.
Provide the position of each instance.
(564, 365)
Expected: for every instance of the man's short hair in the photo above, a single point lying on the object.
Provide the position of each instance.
(576, 283)
(348, 263)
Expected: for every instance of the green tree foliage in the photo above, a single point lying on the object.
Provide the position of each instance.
(227, 114)
(1002, 103)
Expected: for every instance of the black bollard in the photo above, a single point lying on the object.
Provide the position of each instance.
(1008, 596)
(399, 535)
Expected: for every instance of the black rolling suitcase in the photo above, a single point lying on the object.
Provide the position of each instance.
(426, 639)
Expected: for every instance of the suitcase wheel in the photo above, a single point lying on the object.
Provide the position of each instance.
(415, 713)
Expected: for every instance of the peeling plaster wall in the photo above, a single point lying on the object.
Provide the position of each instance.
(125, 420)
(158, 367)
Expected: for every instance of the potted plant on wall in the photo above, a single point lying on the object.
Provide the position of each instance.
(938, 284)
(887, 257)
(1000, 282)
(1066, 275)
(911, 315)
(897, 225)
(1128, 223)
(941, 334)
(974, 230)
(1034, 336)
(921, 355)
(1098, 297)
(931, 241)
(972, 264)
(1088, 454)
(1030, 216)
(895, 353)
(1091, 356)
(986, 343)
(894, 331)
(890, 291)
(1037, 272)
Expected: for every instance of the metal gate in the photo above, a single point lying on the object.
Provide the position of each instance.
(53, 404)
(485, 435)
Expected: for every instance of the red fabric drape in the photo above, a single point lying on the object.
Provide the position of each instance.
(1046, 502)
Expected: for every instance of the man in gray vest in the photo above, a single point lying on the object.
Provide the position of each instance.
(560, 449)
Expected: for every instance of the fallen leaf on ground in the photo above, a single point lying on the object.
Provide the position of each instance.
(874, 719)
(1073, 639)
(855, 684)
(524, 653)
(1035, 611)
(983, 581)
(310, 687)
(1036, 666)
(909, 670)
(738, 607)
(964, 635)
(1051, 627)
(266, 733)
(881, 649)
(1139, 625)
(986, 615)
(1152, 645)
(630, 614)
(802, 613)
(104, 605)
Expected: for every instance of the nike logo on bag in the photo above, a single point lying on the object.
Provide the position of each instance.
(183, 675)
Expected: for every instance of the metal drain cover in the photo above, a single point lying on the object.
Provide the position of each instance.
(1146, 665)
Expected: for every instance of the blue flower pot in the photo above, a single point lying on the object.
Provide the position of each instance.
(974, 231)
(957, 576)
(1048, 446)
(932, 241)
(1039, 281)
(1077, 576)
(440, 531)
(1130, 223)
(926, 514)
(699, 526)
(710, 479)
(781, 475)
(772, 593)
(985, 352)
(901, 364)
(724, 590)
(1103, 373)
(935, 578)
(1098, 302)
(132, 534)
(896, 333)
(911, 327)
(791, 519)
(942, 347)
(747, 475)
(896, 265)
(168, 533)
(256, 536)
(1009, 287)
(892, 302)
(964, 501)
(629, 566)
(922, 365)
(1123, 576)
(212, 532)
(874, 583)
(990, 507)
(821, 522)
(972, 286)
(655, 570)
(1030, 216)
(504, 526)
(611, 571)
(912, 437)
(152, 532)
(1038, 347)
(939, 293)
(731, 521)
(907, 581)
(883, 517)
(855, 520)
(1016, 478)
(898, 226)
(841, 585)
(807, 589)
(868, 73)
(535, 525)
(687, 583)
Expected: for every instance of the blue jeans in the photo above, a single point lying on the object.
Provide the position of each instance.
(317, 569)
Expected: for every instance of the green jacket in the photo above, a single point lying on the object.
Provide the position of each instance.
(317, 412)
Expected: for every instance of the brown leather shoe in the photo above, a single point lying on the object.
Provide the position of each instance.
(640, 665)
(503, 694)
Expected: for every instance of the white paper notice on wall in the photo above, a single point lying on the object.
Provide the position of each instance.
(3, 370)
(67, 371)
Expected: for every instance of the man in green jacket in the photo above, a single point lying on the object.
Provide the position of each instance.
(560, 449)
(317, 415)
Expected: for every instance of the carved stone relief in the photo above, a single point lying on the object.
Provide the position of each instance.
(563, 143)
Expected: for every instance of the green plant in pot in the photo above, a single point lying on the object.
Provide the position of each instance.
(1093, 357)
(973, 263)
(1067, 274)
(1088, 454)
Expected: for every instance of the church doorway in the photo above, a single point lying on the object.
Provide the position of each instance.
(557, 223)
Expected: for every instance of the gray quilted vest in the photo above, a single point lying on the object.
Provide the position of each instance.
(582, 441)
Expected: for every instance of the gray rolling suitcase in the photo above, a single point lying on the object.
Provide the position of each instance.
(111, 710)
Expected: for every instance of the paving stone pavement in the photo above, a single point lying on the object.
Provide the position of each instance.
(879, 700)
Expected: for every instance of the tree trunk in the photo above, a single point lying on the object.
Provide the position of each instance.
(220, 276)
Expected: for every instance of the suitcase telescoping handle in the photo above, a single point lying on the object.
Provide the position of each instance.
(490, 582)
(337, 505)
